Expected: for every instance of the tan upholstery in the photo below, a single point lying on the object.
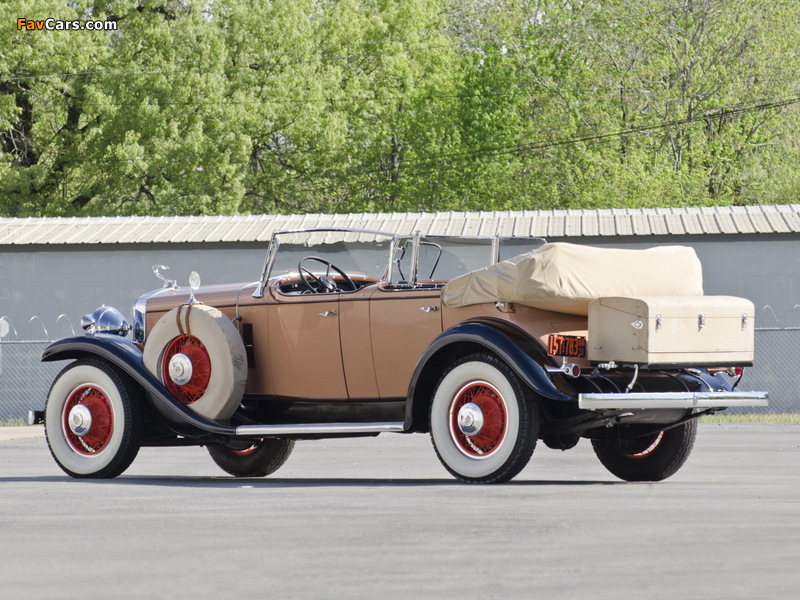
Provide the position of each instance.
(566, 277)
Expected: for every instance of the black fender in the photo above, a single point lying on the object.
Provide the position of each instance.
(477, 335)
(127, 357)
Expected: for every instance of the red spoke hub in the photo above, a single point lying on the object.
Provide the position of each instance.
(644, 448)
(478, 419)
(88, 420)
(189, 349)
(244, 451)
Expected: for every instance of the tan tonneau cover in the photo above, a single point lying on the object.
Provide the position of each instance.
(566, 277)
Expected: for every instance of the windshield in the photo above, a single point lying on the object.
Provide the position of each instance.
(387, 256)
(446, 257)
(355, 252)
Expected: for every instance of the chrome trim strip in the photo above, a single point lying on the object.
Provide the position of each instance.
(415, 258)
(314, 428)
(339, 229)
(140, 310)
(645, 401)
(495, 248)
(272, 248)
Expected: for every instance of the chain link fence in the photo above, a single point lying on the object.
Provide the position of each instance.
(775, 370)
(25, 381)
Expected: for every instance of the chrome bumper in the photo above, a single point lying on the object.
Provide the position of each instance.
(645, 401)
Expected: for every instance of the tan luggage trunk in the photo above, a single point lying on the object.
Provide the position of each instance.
(672, 331)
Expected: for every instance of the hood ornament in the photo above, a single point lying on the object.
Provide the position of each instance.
(168, 283)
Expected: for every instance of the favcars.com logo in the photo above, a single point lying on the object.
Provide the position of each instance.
(59, 25)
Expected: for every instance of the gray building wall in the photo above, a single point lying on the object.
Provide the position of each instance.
(44, 282)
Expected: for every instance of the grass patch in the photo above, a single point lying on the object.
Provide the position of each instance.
(753, 418)
(13, 422)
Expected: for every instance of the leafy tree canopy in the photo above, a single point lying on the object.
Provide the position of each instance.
(188, 107)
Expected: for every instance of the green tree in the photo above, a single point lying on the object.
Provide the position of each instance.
(694, 88)
(164, 141)
(239, 106)
(125, 122)
(43, 116)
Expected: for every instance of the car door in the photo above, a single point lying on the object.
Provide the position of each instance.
(354, 310)
(304, 350)
(403, 322)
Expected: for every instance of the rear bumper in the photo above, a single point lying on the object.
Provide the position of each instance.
(646, 401)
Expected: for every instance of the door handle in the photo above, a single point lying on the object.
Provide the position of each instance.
(429, 308)
(327, 313)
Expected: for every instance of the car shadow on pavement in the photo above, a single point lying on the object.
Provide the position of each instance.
(306, 482)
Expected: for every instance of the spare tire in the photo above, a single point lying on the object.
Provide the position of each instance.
(199, 356)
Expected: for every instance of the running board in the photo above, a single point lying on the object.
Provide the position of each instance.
(645, 401)
(318, 428)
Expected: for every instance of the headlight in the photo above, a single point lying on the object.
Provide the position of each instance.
(106, 319)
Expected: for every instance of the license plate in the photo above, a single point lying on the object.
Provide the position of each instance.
(567, 345)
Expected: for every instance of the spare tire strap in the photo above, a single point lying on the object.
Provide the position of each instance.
(180, 323)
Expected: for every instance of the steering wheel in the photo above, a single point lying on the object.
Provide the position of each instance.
(325, 283)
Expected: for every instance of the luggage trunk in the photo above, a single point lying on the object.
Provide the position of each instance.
(669, 331)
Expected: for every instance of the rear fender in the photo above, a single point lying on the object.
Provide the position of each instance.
(127, 357)
(464, 339)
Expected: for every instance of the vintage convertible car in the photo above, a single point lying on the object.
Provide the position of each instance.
(488, 344)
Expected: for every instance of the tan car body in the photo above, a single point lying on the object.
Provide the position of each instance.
(346, 346)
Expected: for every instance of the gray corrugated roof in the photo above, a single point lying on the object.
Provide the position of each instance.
(548, 224)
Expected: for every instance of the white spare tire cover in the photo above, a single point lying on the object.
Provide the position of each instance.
(198, 354)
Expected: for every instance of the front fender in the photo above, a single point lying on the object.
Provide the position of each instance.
(476, 335)
(127, 357)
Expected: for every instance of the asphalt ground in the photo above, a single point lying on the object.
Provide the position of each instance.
(380, 518)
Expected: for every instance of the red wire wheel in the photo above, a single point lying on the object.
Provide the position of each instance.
(262, 458)
(180, 351)
(100, 421)
(650, 458)
(93, 420)
(245, 451)
(643, 449)
(491, 408)
(187, 347)
(483, 423)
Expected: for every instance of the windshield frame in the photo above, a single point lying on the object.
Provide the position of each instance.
(395, 240)
(275, 243)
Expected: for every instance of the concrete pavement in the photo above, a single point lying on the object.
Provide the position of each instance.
(19, 433)
(379, 517)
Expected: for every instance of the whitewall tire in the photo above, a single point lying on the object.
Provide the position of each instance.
(93, 420)
(483, 422)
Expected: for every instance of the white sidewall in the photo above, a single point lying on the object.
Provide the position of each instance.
(448, 449)
(82, 464)
(225, 349)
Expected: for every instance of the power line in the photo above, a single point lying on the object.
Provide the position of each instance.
(450, 161)
(453, 160)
